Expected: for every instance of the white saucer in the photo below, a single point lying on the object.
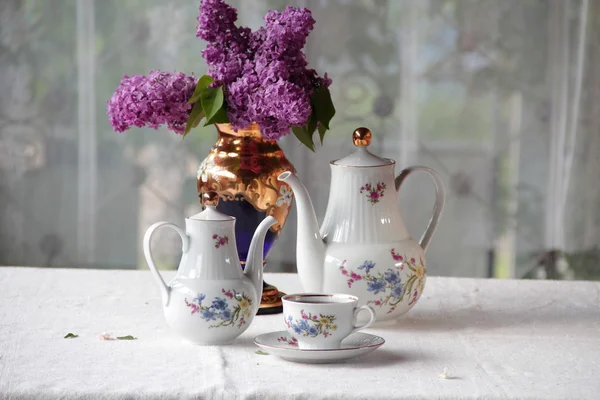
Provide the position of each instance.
(278, 343)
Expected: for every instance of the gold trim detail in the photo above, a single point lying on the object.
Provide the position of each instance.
(362, 137)
(210, 199)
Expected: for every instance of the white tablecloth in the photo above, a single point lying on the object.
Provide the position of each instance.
(499, 339)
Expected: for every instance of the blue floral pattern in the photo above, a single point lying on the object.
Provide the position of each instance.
(376, 285)
(389, 283)
(367, 266)
(230, 310)
(311, 325)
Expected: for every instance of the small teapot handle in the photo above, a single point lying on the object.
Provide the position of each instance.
(164, 289)
(438, 207)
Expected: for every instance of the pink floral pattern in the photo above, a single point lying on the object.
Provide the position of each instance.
(374, 193)
(291, 341)
(396, 256)
(220, 240)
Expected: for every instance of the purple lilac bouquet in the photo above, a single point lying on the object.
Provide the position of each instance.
(157, 99)
(254, 77)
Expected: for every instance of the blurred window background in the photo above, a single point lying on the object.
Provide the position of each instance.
(501, 97)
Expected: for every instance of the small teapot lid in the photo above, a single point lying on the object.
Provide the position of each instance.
(362, 157)
(210, 213)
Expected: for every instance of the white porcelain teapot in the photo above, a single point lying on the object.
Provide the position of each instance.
(362, 247)
(211, 300)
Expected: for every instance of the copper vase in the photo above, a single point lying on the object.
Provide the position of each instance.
(242, 167)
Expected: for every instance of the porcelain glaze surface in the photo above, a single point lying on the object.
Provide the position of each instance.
(322, 321)
(211, 300)
(210, 325)
(362, 247)
(285, 346)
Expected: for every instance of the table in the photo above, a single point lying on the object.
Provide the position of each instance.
(498, 339)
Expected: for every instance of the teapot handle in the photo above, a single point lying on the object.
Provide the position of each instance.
(164, 289)
(440, 198)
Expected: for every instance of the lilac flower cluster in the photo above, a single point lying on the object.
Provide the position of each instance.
(264, 73)
(228, 45)
(264, 76)
(153, 100)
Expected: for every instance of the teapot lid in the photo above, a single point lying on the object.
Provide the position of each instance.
(210, 213)
(362, 157)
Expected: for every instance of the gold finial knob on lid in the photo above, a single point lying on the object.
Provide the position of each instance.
(362, 137)
(210, 198)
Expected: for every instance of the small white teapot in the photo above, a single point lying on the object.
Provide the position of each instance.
(362, 248)
(211, 301)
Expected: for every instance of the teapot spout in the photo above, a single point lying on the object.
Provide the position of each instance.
(254, 263)
(310, 248)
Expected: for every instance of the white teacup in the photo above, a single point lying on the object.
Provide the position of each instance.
(322, 321)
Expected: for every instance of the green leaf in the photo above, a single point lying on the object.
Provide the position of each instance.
(262, 353)
(323, 106)
(212, 101)
(311, 126)
(220, 117)
(195, 117)
(322, 131)
(204, 82)
(303, 136)
(128, 337)
(305, 133)
(71, 336)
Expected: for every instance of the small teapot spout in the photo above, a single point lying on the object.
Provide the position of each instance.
(310, 248)
(254, 263)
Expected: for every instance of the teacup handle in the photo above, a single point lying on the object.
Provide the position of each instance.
(164, 289)
(371, 320)
(440, 199)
